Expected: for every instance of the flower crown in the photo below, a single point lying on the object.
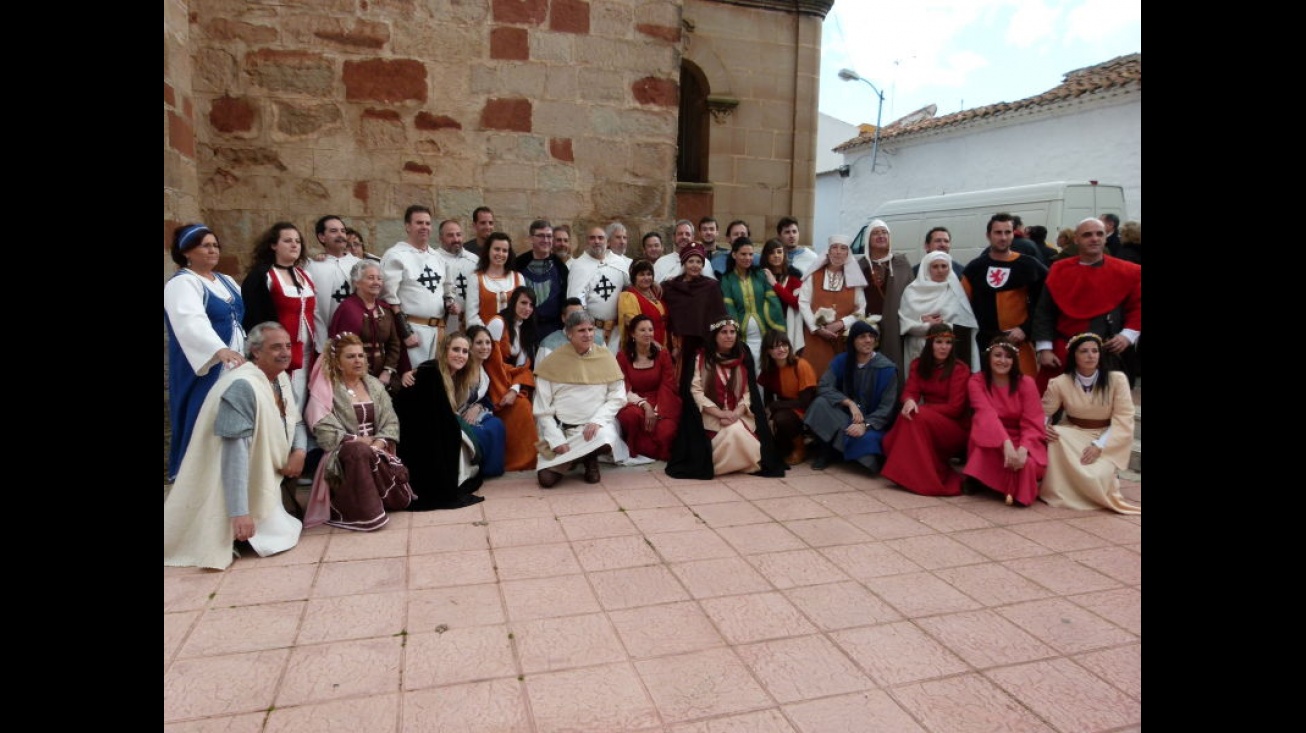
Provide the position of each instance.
(333, 344)
(1084, 336)
(722, 322)
(1003, 344)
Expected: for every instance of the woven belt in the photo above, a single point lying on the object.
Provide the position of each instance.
(1090, 424)
(605, 324)
(433, 322)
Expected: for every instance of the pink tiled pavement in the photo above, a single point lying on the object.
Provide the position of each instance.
(821, 602)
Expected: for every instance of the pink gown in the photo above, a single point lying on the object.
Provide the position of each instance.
(1000, 415)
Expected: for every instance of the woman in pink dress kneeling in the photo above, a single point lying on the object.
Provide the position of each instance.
(1007, 451)
(934, 422)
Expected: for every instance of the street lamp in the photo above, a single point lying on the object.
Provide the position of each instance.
(850, 75)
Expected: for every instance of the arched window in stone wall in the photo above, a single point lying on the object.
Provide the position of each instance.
(695, 127)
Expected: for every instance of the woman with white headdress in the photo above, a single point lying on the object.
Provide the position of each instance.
(936, 296)
(830, 300)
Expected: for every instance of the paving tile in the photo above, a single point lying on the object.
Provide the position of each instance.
(1066, 627)
(869, 560)
(454, 607)
(665, 519)
(793, 568)
(341, 669)
(1122, 606)
(1000, 543)
(640, 586)
(1121, 666)
(901, 499)
(847, 503)
(1120, 563)
(803, 668)
(701, 684)
(1059, 536)
(984, 639)
(439, 569)
(212, 686)
(564, 595)
(610, 553)
(582, 503)
(827, 531)
(948, 518)
(535, 561)
(175, 628)
(468, 654)
(841, 605)
(385, 542)
(992, 584)
(448, 537)
(352, 617)
(603, 698)
(551, 644)
(265, 585)
(1061, 575)
(754, 538)
(935, 551)
(728, 576)
(591, 526)
(373, 714)
(1068, 696)
(490, 705)
(529, 531)
(900, 652)
(361, 576)
(704, 492)
(762, 721)
(1115, 528)
(890, 525)
(671, 628)
(968, 703)
(816, 483)
(920, 594)
(244, 629)
(308, 551)
(763, 489)
(247, 723)
(694, 544)
(869, 710)
(465, 517)
(786, 508)
(652, 497)
(191, 591)
(730, 514)
(524, 507)
(756, 617)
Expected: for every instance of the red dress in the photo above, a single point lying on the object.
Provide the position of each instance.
(1000, 415)
(657, 384)
(917, 450)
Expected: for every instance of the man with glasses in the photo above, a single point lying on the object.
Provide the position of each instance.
(547, 274)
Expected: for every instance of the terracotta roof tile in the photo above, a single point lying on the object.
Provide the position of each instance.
(1122, 71)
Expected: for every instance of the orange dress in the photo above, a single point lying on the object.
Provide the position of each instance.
(816, 350)
(518, 418)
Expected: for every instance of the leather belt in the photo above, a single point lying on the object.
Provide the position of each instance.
(433, 322)
(1090, 424)
(605, 324)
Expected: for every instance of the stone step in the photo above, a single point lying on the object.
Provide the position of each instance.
(1136, 456)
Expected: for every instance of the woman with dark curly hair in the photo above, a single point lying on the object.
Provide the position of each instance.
(1007, 451)
(278, 289)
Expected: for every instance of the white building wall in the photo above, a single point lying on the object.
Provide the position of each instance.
(1101, 142)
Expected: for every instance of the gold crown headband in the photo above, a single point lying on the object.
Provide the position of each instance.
(945, 332)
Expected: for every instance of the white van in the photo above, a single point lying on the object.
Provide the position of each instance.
(966, 215)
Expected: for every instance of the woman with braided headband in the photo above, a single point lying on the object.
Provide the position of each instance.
(1007, 451)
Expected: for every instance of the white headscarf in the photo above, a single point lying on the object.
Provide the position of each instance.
(852, 272)
(923, 296)
(866, 253)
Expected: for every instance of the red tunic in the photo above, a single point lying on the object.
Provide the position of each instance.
(657, 384)
(293, 312)
(917, 450)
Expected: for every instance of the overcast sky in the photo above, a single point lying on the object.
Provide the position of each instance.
(962, 54)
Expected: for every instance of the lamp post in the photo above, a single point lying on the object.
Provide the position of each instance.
(850, 75)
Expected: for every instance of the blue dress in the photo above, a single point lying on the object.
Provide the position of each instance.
(875, 390)
(490, 434)
(186, 389)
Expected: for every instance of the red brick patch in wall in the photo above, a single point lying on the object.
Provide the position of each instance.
(665, 32)
(569, 16)
(560, 149)
(412, 167)
(385, 80)
(169, 96)
(384, 115)
(507, 114)
(428, 121)
(361, 192)
(520, 11)
(181, 135)
(652, 90)
(229, 114)
(509, 44)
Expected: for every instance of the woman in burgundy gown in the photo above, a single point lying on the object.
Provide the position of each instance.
(934, 422)
(652, 412)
